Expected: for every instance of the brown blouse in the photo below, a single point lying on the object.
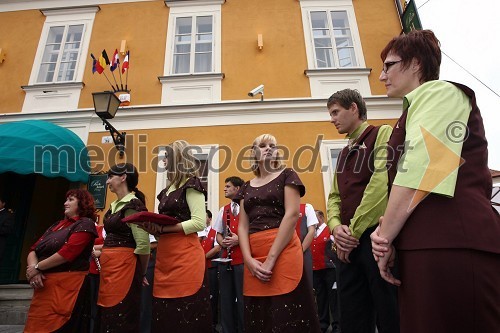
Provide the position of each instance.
(265, 205)
(175, 204)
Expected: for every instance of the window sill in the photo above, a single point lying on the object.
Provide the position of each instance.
(49, 97)
(324, 82)
(191, 88)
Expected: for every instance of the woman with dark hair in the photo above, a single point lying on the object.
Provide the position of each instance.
(181, 295)
(125, 254)
(277, 295)
(439, 217)
(58, 264)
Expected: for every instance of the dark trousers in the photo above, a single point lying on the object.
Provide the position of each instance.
(147, 295)
(308, 266)
(365, 298)
(213, 282)
(326, 298)
(94, 292)
(231, 298)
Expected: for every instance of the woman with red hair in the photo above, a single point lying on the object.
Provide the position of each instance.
(58, 264)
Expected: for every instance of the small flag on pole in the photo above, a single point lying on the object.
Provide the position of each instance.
(115, 61)
(96, 66)
(94, 61)
(105, 56)
(125, 62)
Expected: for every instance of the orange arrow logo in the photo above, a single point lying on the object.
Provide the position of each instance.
(442, 163)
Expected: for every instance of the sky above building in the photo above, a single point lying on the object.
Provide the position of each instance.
(468, 32)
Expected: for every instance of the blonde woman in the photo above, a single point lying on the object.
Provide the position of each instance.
(276, 293)
(181, 299)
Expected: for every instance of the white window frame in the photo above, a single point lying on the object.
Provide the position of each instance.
(193, 9)
(327, 167)
(192, 88)
(308, 6)
(212, 150)
(65, 17)
(192, 53)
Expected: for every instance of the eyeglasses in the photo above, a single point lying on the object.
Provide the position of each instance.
(388, 65)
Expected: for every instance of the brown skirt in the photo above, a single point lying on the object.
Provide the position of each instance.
(119, 294)
(449, 291)
(289, 306)
(183, 314)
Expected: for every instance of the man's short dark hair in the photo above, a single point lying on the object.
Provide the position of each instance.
(209, 214)
(320, 213)
(345, 98)
(235, 180)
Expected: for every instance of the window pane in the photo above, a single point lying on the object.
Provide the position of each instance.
(339, 20)
(342, 32)
(66, 71)
(183, 25)
(318, 20)
(181, 63)
(193, 47)
(346, 57)
(204, 38)
(202, 164)
(183, 39)
(46, 73)
(203, 47)
(322, 42)
(203, 62)
(55, 35)
(50, 54)
(321, 33)
(75, 33)
(324, 58)
(182, 48)
(343, 42)
(204, 24)
(334, 155)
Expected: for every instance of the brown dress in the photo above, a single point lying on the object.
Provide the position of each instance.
(121, 277)
(181, 294)
(282, 306)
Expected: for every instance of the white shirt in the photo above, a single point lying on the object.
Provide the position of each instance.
(218, 224)
(312, 219)
(204, 233)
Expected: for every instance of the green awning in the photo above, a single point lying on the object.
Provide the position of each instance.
(35, 146)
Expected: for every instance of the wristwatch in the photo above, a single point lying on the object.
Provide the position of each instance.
(36, 267)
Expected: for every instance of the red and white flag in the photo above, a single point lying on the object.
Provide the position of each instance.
(115, 61)
(125, 62)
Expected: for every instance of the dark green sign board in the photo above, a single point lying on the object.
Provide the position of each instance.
(97, 187)
(410, 18)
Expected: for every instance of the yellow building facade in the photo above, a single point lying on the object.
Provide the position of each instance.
(192, 65)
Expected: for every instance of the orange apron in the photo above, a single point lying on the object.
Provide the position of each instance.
(180, 266)
(287, 271)
(117, 272)
(52, 305)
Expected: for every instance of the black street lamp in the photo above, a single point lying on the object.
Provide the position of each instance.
(106, 104)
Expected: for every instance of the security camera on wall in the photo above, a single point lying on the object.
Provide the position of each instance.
(257, 90)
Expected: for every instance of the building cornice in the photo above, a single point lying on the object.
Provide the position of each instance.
(217, 114)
